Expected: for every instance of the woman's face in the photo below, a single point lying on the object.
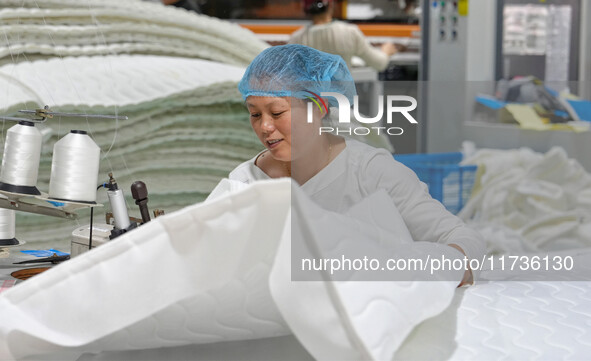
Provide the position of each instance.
(270, 118)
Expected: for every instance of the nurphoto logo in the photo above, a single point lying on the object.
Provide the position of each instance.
(345, 113)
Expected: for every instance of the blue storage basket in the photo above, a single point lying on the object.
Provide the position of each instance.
(449, 182)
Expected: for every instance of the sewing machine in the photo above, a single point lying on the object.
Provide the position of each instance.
(16, 266)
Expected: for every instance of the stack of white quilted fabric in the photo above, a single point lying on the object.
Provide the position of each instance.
(33, 29)
(187, 125)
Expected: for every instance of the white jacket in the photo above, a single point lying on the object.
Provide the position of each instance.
(359, 171)
(341, 39)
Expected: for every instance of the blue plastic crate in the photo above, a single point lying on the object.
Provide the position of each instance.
(449, 182)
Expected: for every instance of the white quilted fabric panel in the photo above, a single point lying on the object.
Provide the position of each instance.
(195, 276)
(508, 321)
(107, 81)
(46, 28)
(201, 275)
(367, 320)
(519, 316)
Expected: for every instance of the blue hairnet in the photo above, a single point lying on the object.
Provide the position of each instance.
(295, 70)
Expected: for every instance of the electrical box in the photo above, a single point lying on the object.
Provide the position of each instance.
(81, 235)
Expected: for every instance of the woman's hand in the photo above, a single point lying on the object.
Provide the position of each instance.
(391, 49)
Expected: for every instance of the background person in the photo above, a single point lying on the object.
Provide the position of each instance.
(340, 38)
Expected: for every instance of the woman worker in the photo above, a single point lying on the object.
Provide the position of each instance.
(333, 171)
(340, 38)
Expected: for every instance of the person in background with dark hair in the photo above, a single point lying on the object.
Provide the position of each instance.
(340, 38)
(411, 7)
(191, 5)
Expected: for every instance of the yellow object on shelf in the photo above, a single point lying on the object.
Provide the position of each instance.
(527, 118)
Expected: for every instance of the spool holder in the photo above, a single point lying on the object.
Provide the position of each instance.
(42, 204)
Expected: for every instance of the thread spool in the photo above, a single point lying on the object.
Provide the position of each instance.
(20, 163)
(74, 168)
(7, 233)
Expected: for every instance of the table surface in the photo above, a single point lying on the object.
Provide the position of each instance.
(7, 265)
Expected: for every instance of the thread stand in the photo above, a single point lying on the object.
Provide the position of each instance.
(42, 204)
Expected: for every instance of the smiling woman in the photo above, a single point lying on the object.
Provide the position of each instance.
(337, 173)
(281, 93)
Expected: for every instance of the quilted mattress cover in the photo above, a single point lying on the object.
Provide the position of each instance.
(514, 316)
(225, 277)
(494, 320)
